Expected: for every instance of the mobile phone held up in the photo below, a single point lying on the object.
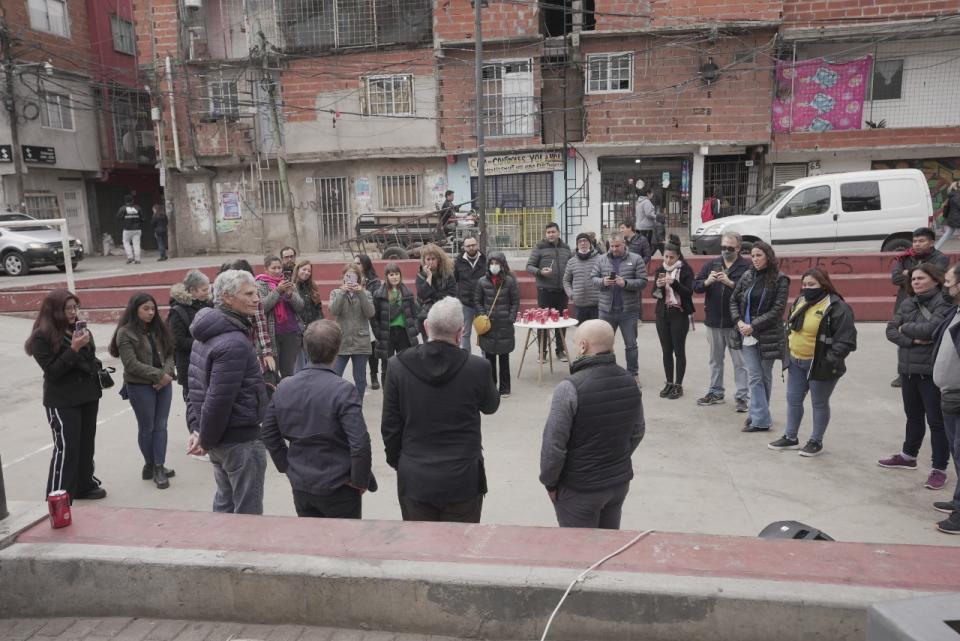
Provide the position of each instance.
(351, 278)
(80, 326)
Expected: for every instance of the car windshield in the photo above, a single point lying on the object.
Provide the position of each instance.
(6, 218)
(769, 199)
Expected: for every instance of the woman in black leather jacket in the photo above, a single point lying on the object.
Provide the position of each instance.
(912, 329)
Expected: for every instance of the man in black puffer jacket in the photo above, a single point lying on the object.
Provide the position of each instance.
(227, 395)
(468, 269)
(595, 424)
(547, 262)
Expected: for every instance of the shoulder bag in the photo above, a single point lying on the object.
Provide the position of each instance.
(481, 322)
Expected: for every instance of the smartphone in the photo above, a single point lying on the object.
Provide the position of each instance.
(351, 278)
(550, 265)
(288, 274)
(80, 326)
(612, 276)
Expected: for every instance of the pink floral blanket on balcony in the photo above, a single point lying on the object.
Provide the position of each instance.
(817, 95)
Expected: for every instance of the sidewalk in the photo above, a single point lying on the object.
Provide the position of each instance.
(126, 629)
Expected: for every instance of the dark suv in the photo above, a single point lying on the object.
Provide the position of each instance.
(22, 248)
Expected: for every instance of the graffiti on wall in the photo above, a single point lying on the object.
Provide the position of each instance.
(940, 172)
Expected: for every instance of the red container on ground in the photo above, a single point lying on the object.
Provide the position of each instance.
(58, 503)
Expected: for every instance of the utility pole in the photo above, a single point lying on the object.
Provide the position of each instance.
(10, 102)
(285, 193)
(480, 204)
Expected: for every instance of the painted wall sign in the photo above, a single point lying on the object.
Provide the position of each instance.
(532, 162)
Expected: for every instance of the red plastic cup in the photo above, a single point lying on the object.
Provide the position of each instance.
(566, 314)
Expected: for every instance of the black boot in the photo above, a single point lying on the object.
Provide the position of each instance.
(374, 383)
(160, 477)
(147, 473)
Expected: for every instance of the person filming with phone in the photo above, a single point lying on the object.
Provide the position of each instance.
(281, 303)
(547, 262)
(621, 276)
(352, 307)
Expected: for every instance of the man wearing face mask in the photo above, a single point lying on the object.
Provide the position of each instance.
(716, 281)
(922, 251)
(577, 281)
(468, 269)
(946, 376)
(595, 423)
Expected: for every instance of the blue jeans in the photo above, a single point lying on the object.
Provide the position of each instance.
(468, 314)
(359, 369)
(151, 407)
(798, 384)
(239, 470)
(627, 322)
(720, 342)
(760, 380)
(951, 425)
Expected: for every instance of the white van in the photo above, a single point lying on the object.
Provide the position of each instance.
(867, 211)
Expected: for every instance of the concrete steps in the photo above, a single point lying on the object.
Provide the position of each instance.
(863, 280)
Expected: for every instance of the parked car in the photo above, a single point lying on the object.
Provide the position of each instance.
(23, 248)
(856, 211)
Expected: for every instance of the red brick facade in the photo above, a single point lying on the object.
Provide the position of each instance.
(867, 138)
(816, 12)
(68, 54)
(637, 15)
(453, 20)
(669, 103)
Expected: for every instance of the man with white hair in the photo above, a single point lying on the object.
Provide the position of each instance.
(227, 395)
(433, 397)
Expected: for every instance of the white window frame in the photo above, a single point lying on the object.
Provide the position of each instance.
(605, 83)
(517, 113)
(40, 17)
(873, 75)
(124, 39)
(42, 205)
(388, 104)
(63, 103)
(394, 191)
(218, 98)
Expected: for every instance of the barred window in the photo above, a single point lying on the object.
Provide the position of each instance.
(271, 197)
(509, 106)
(224, 99)
(42, 205)
(50, 16)
(388, 96)
(56, 111)
(610, 73)
(337, 24)
(332, 195)
(399, 192)
(123, 38)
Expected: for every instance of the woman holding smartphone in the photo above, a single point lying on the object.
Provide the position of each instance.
(281, 303)
(63, 348)
(434, 282)
(352, 307)
(145, 346)
(674, 293)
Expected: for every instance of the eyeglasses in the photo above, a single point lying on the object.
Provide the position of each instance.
(471, 246)
(727, 249)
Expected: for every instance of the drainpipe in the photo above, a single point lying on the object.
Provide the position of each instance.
(173, 115)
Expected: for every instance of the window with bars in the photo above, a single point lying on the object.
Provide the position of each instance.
(332, 195)
(335, 24)
(123, 38)
(224, 99)
(50, 16)
(56, 111)
(388, 96)
(517, 191)
(42, 205)
(71, 204)
(509, 106)
(399, 192)
(610, 73)
(271, 197)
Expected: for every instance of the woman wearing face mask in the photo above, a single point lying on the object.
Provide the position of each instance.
(145, 346)
(498, 296)
(912, 329)
(434, 282)
(821, 335)
(395, 319)
(756, 308)
(352, 307)
(673, 290)
(281, 302)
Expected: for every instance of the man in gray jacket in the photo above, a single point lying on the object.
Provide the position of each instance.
(578, 279)
(595, 424)
(646, 215)
(320, 415)
(620, 277)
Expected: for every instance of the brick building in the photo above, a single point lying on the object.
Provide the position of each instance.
(371, 104)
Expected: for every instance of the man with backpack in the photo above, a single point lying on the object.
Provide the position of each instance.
(130, 217)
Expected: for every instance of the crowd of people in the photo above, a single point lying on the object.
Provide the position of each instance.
(260, 360)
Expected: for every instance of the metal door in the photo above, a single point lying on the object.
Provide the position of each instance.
(334, 222)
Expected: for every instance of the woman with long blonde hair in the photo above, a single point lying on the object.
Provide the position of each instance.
(435, 281)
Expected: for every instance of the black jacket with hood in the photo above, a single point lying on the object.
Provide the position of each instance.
(433, 397)
(917, 318)
(767, 319)
(183, 309)
(836, 338)
(500, 339)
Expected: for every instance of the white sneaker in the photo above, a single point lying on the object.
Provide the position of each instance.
(201, 457)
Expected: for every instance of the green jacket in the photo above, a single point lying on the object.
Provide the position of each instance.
(353, 314)
(137, 358)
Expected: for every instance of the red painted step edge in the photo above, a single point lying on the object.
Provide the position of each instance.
(907, 567)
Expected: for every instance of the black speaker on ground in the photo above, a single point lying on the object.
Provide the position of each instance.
(793, 530)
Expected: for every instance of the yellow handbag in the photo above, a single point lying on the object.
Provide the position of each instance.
(481, 322)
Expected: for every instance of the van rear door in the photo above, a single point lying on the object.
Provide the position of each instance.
(873, 210)
(806, 222)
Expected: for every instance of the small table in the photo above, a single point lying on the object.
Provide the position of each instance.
(531, 338)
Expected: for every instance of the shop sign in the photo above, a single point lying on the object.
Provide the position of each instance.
(6, 153)
(533, 162)
(43, 155)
